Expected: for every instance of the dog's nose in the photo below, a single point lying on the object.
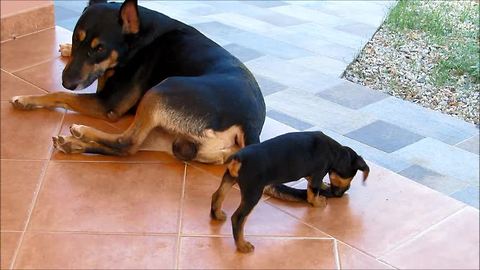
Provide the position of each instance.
(69, 85)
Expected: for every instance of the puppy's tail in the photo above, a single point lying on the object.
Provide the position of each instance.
(286, 193)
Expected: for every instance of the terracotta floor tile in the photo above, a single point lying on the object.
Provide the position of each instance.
(32, 49)
(215, 170)
(365, 217)
(20, 180)
(270, 253)
(13, 86)
(48, 76)
(453, 244)
(351, 258)
(109, 197)
(141, 156)
(264, 220)
(8, 245)
(28, 134)
(84, 251)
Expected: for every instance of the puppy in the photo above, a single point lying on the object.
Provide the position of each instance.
(286, 158)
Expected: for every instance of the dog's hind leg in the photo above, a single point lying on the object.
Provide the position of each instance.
(218, 197)
(146, 118)
(250, 198)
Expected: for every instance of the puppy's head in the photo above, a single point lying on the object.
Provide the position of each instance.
(99, 41)
(342, 174)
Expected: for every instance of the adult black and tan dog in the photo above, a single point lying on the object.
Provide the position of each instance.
(282, 159)
(168, 73)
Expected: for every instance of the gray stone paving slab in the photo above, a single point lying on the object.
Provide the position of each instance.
(318, 111)
(322, 64)
(468, 195)
(68, 23)
(62, 13)
(268, 86)
(471, 145)
(298, 39)
(291, 75)
(264, 14)
(442, 158)
(242, 53)
(352, 95)
(266, 3)
(384, 136)
(311, 15)
(245, 23)
(369, 153)
(422, 121)
(365, 31)
(434, 180)
(289, 120)
(316, 31)
(339, 52)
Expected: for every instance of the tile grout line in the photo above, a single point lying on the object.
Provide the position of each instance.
(30, 211)
(180, 218)
(365, 253)
(35, 196)
(36, 32)
(262, 236)
(36, 64)
(420, 234)
(335, 253)
(25, 81)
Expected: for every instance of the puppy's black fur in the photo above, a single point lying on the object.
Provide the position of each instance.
(286, 158)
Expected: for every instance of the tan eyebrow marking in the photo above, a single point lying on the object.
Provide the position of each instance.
(95, 42)
(81, 35)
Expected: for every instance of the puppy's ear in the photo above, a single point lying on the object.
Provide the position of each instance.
(129, 17)
(362, 166)
(93, 2)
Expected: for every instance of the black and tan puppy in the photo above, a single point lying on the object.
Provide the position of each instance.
(286, 158)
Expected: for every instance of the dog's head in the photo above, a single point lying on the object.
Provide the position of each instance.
(342, 173)
(99, 41)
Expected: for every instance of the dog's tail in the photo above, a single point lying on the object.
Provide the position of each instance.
(286, 193)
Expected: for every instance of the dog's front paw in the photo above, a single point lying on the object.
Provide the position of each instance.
(319, 201)
(21, 103)
(65, 49)
(245, 247)
(77, 131)
(68, 145)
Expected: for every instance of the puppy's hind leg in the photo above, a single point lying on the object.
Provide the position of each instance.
(218, 197)
(250, 198)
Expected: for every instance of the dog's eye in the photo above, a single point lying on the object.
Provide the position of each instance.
(99, 48)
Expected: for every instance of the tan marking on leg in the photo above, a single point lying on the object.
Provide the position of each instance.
(234, 167)
(219, 196)
(314, 199)
(243, 245)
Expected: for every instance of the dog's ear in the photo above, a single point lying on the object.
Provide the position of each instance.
(93, 2)
(362, 166)
(129, 17)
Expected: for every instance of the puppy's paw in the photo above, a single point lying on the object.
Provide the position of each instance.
(218, 215)
(21, 103)
(67, 145)
(319, 202)
(245, 247)
(65, 49)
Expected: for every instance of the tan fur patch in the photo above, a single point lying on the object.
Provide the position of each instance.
(94, 42)
(314, 199)
(234, 167)
(338, 181)
(110, 62)
(81, 35)
(103, 79)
